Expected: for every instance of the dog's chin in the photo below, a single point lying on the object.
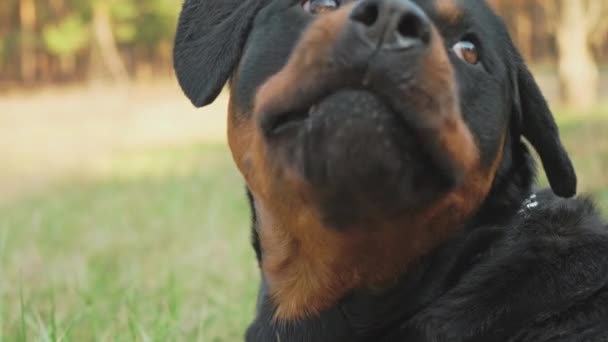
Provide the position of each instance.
(357, 156)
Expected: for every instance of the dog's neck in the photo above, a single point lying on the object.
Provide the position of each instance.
(308, 277)
(512, 185)
(369, 312)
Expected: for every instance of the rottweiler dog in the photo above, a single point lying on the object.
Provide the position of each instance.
(382, 144)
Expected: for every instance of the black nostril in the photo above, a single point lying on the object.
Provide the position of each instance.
(391, 24)
(366, 14)
(413, 26)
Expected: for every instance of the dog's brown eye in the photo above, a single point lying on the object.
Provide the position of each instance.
(467, 51)
(320, 6)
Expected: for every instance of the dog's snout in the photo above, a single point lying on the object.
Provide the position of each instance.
(392, 24)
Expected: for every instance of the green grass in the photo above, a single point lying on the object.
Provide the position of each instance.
(156, 251)
(158, 248)
(587, 142)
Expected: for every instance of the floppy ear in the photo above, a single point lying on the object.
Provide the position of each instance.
(208, 44)
(540, 129)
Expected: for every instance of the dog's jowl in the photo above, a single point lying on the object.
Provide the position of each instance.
(382, 144)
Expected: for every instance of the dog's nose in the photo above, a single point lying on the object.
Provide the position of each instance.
(392, 24)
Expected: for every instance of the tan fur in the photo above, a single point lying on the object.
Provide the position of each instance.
(448, 10)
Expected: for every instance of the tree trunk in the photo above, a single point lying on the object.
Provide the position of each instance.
(27, 17)
(578, 70)
(105, 42)
(523, 23)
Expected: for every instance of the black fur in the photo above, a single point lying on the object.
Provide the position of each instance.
(208, 44)
(513, 274)
(539, 128)
(540, 276)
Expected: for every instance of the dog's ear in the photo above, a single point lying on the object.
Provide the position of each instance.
(208, 44)
(539, 128)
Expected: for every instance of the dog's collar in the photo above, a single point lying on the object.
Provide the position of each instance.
(530, 203)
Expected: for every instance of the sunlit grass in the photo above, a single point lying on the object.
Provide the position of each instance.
(587, 142)
(157, 247)
(156, 254)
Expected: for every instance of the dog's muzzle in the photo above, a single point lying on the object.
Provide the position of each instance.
(366, 111)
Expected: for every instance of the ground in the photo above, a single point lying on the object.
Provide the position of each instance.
(123, 219)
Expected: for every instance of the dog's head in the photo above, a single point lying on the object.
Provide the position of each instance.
(367, 130)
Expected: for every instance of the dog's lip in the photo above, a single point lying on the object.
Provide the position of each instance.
(278, 116)
(288, 121)
(281, 123)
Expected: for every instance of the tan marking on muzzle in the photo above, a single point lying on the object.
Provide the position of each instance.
(448, 10)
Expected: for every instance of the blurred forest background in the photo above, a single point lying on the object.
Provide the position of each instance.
(61, 41)
(122, 217)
